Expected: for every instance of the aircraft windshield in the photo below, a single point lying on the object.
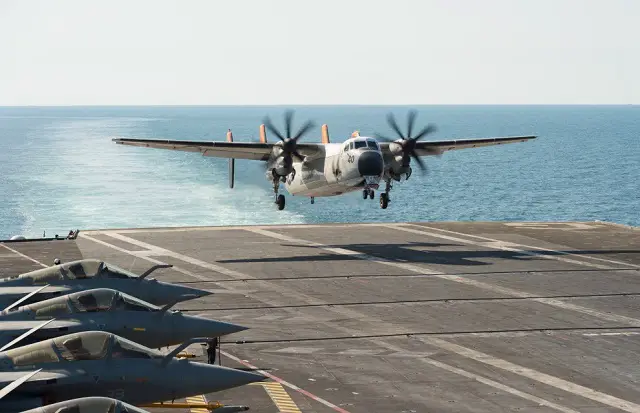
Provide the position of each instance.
(129, 303)
(123, 348)
(113, 271)
(372, 144)
(360, 144)
(92, 345)
(93, 300)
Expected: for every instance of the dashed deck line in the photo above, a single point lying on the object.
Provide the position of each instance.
(280, 397)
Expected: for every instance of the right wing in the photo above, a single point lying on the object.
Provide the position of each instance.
(219, 149)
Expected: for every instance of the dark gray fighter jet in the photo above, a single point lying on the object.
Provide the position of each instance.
(90, 273)
(107, 310)
(102, 364)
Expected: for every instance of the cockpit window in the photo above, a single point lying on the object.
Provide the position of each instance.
(113, 271)
(93, 300)
(360, 144)
(123, 348)
(129, 303)
(56, 307)
(31, 354)
(372, 144)
(92, 345)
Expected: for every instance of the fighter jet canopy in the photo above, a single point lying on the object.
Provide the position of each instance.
(94, 300)
(88, 268)
(91, 345)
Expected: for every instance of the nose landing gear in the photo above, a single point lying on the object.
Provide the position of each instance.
(368, 193)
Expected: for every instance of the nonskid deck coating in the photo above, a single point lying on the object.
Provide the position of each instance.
(413, 317)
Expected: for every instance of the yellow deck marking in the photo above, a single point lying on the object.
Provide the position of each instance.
(280, 397)
(199, 399)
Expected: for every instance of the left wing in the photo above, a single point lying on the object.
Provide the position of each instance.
(425, 148)
(237, 150)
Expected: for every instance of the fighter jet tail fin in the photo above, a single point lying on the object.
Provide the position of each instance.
(24, 335)
(11, 387)
(181, 347)
(152, 269)
(26, 297)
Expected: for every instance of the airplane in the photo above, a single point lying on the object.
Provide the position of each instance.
(328, 169)
(95, 404)
(91, 273)
(107, 310)
(96, 363)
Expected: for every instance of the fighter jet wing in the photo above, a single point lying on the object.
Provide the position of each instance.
(237, 150)
(19, 291)
(34, 383)
(424, 148)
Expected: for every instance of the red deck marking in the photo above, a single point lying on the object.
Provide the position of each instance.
(286, 383)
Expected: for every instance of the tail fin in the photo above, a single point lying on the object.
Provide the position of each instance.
(263, 134)
(325, 134)
(232, 162)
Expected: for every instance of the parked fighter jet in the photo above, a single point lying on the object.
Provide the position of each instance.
(93, 404)
(96, 363)
(107, 310)
(91, 273)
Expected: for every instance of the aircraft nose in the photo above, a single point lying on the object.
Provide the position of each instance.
(185, 293)
(211, 378)
(203, 327)
(370, 163)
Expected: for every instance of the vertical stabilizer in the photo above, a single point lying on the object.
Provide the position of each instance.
(325, 134)
(232, 162)
(263, 134)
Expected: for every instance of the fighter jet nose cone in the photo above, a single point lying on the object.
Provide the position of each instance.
(190, 293)
(193, 326)
(370, 163)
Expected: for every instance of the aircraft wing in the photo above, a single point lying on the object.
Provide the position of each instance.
(9, 330)
(219, 149)
(424, 148)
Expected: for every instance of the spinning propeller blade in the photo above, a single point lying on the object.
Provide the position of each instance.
(408, 143)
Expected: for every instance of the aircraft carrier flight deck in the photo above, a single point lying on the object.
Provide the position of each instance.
(400, 317)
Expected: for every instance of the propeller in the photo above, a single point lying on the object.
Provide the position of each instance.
(408, 142)
(289, 143)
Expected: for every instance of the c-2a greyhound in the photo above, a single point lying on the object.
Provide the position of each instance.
(328, 169)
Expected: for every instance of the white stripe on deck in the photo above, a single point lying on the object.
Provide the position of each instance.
(516, 369)
(510, 246)
(24, 256)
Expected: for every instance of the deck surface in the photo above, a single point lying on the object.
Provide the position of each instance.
(424, 317)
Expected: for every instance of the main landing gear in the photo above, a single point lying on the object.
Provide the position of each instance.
(276, 187)
(368, 193)
(384, 197)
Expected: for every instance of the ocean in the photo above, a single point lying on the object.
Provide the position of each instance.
(59, 169)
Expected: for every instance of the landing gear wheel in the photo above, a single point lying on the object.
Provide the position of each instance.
(372, 194)
(364, 194)
(384, 200)
(280, 202)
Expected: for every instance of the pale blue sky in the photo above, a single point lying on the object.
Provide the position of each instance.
(321, 52)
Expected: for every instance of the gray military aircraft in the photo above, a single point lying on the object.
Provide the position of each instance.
(91, 273)
(102, 364)
(328, 169)
(107, 310)
(94, 404)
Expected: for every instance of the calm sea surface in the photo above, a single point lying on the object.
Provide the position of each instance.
(59, 169)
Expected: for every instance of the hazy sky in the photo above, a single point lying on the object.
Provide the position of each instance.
(319, 52)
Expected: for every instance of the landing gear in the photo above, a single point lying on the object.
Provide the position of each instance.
(368, 193)
(384, 200)
(384, 197)
(276, 187)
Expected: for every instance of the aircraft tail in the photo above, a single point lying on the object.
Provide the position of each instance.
(232, 161)
(325, 134)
